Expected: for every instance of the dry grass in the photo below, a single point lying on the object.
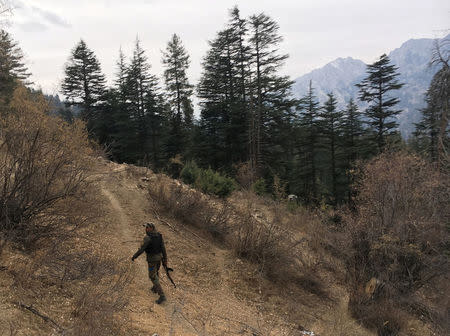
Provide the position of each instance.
(42, 161)
(191, 207)
(263, 240)
(47, 212)
(398, 236)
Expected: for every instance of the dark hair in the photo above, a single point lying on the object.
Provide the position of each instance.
(149, 225)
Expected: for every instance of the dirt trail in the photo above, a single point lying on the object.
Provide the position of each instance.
(205, 301)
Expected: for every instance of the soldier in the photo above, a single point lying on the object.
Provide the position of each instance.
(153, 246)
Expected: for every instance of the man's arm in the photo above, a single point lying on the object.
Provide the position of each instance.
(141, 250)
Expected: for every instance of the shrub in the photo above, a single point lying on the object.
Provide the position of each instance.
(259, 187)
(211, 182)
(397, 235)
(260, 243)
(245, 174)
(42, 161)
(46, 204)
(191, 207)
(175, 166)
(190, 172)
(207, 180)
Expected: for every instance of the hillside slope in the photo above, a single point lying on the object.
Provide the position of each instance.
(217, 293)
(203, 302)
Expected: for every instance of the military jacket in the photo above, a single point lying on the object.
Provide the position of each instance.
(153, 246)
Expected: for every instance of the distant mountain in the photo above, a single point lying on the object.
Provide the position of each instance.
(341, 75)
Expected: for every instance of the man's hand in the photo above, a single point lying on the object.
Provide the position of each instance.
(132, 258)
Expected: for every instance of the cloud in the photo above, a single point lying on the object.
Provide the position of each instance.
(32, 27)
(50, 17)
(40, 19)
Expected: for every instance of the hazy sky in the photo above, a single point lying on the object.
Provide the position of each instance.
(315, 31)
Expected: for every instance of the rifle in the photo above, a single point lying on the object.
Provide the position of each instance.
(168, 269)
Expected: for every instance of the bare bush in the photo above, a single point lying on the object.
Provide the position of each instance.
(76, 284)
(398, 236)
(191, 207)
(97, 303)
(245, 175)
(261, 243)
(48, 207)
(42, 160)
(93, 284)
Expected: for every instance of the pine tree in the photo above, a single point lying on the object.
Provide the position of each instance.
(352, 141)
(84, 83)
(271, 95)
(179, 92)
(123, 133)
(246, 107)
(427, 129)
(433, 130)
(376, 89)
(331, 131)
(308, 120)
(12, 66)
(214, 92)
(120, 83)
(239, 54)
(143, 100)
(352, 131)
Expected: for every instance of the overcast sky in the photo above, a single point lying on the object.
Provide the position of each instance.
(315, 31)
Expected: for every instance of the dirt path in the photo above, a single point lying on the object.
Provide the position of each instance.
(205, 300)
(145, 315)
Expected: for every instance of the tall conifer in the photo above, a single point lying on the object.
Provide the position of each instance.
(309, 117)
(331, 131)
(352, 141)
(376, 89)
(12, 66)
(179, 92)
(271, 94)
(84, 82)
(144, 106)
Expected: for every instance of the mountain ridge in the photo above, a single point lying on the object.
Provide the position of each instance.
(340, 76)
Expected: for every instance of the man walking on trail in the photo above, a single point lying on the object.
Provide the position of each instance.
(153, 246)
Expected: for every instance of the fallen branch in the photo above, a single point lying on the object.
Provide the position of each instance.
(42, 316)
(131, 241)
(164, 222)
(200, 239)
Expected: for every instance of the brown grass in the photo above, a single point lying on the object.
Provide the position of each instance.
(47, 212)
(262, 240)
(397, 236)
(42, 161)
(191, 207)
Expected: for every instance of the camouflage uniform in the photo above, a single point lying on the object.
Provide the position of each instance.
(153, 246)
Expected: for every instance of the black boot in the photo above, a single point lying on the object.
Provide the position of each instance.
(161, 299)
(160, 291)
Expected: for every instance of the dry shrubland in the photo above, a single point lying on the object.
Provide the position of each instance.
(191, 207)
(389, 251)
(42, 161)
(260, 239)
(396, 244)
(47, 211)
